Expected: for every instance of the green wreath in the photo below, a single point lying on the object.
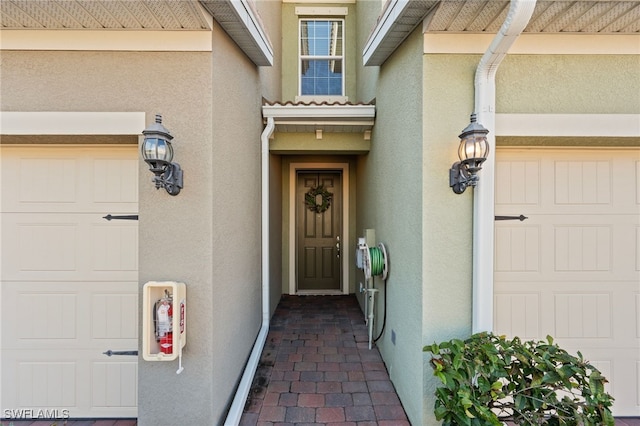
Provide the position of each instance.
(311, 196)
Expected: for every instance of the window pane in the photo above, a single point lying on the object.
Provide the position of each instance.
(321, 38)
(321, 77)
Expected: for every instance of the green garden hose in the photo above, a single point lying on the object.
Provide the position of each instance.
(377, 261)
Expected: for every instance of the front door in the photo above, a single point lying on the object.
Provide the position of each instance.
(319, 230)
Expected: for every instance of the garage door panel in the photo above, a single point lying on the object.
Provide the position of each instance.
(518, 314)
(50, 379)
(582, 182)
(580, 315)
(114, 316)
(519, 248)
(572, 269)
(114, 384)
(70, 179)
(597, 180)
(37, 253)
(48, 315)
(601, 247)
(46, 383)
(47, 180)
(115, 181)
(64, 246)
(115, 247)
(519, 182)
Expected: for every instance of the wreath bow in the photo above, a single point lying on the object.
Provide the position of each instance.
(310, 199)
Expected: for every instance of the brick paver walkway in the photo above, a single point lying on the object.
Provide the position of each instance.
(316, 368)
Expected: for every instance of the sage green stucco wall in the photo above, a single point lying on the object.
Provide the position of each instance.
(367, 12)
(525, 84)
(390, 191)
(290, 48)
(447, 217)
(569, 84)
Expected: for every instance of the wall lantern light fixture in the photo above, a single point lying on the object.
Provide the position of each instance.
(473, 151)
(157, 152)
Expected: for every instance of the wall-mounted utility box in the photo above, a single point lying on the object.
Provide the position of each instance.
(164, 325)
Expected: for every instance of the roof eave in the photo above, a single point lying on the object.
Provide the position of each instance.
(244, 27)
(392, 28)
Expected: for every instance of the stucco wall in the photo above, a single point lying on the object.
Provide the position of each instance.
(446, 219)
(209, 235)
(390, 191)
(525, 84)
(235, 197)
(169, 229)
(569, 84)
(367, 13)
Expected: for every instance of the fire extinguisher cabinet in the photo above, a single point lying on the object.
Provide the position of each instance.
(164, 326)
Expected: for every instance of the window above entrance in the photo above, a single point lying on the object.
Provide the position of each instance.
(321, 59)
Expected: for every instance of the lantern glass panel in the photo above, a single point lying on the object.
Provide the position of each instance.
(473, 146)
(157, 149)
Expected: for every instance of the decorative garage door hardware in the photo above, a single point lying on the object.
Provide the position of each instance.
(110, 352)
(121, 217)
(520, 218)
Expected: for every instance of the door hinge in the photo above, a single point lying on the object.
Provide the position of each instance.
(121, 217)
(110, 352)
(520, 218)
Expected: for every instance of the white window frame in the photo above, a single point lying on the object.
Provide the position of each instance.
(341, 58)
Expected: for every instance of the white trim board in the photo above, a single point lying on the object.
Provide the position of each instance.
(71, 123)
(344, 253)
(107, 40)
(321, 11)
(577, 125)
(535, 44)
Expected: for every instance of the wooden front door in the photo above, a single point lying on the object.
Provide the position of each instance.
(319, 230)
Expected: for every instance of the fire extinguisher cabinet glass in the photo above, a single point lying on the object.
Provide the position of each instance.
(164, 331)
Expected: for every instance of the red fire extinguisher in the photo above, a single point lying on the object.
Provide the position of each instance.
(165, 332)
(166, 343)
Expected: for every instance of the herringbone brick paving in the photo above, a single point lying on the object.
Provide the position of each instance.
(316, 368)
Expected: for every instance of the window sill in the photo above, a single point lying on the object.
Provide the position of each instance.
(321, 99)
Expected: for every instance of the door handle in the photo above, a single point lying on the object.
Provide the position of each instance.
(338, 245)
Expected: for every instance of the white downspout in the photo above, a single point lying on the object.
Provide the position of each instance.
(520, 12)
(239, 400)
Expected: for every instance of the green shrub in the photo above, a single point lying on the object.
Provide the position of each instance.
(488, 380)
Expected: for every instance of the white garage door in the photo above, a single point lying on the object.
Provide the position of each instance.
(572, 269)
(69, 279)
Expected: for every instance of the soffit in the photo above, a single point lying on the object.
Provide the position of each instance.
(400, 17)
(237, 17)
(102, 14)
(331, 118)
